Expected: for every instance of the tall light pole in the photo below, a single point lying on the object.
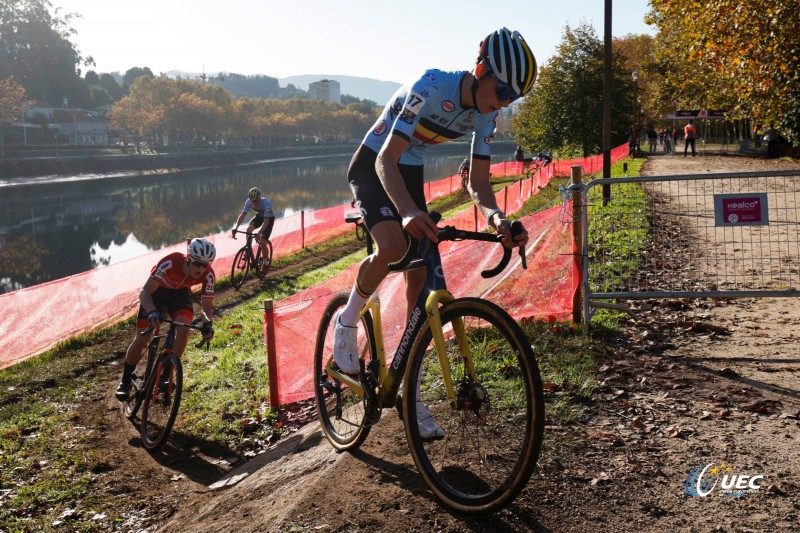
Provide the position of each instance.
(635, 123)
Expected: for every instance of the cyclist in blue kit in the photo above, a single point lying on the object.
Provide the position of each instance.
(264, 219)
(386, 172)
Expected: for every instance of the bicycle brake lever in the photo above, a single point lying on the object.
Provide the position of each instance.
(516, 229)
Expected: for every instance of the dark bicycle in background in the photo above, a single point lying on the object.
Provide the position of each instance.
(246, 260)
(531, 165)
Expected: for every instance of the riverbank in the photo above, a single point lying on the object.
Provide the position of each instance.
(28, 167)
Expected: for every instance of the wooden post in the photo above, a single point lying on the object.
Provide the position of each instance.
(272, 364)
(302, 229)
(578, 222)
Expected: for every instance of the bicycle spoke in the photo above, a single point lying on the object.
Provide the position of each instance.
(493, 434)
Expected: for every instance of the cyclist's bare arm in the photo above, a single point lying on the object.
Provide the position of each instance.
(207, 303)
(415, 221)
(146, 296)
(480, 188)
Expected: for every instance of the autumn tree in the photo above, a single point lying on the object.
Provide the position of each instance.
(563, 112)
(728, 54)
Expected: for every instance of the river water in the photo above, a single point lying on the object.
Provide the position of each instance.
(58, 226)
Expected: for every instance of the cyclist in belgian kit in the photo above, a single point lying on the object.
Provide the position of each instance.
(386, 172)
(168, 287)
(265, 218)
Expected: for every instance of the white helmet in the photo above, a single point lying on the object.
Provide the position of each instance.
(202, 250)
(510, 59)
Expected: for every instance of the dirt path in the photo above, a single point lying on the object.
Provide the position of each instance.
(690, 384)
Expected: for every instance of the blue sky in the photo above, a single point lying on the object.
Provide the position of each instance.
(391, 41)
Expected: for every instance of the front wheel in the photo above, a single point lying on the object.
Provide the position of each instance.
(161, 401)
(342, 413)
(131, 406)
(493, 428)
(240, 268)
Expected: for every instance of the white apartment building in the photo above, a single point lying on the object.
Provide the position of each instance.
(325, 90)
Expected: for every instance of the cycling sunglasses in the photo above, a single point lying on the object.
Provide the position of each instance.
(504, 92)
(199, 263)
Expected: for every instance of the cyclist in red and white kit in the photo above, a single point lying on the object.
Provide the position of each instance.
(168, 287)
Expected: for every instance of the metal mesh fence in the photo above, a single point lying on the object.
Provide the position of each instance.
(712, 235)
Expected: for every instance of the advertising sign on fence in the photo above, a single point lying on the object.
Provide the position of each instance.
(741, 209)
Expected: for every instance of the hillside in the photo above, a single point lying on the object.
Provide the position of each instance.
(365, 88)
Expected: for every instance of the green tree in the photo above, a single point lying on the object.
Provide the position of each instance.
(110, 84)
(563, 113)
(35, 48)
(132, 74)
(727, 54)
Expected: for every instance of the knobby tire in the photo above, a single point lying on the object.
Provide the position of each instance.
(493, 437)
(161, 401)
(240, 268)
(342, 415)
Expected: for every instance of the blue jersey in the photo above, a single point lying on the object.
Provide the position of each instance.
(262, 207)
(429, 112)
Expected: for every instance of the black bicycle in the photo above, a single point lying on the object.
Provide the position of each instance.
(246, 260)
(156, 385)
(532, 165)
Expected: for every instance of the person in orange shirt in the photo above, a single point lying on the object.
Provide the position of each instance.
(690, 132)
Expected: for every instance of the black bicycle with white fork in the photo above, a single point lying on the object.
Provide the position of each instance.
(157, 384)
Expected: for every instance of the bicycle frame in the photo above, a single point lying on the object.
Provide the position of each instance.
(433, 294)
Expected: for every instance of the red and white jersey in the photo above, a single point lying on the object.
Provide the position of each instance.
(169, 274)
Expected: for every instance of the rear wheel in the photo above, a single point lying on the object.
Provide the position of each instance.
(263, 259)
(343, 414)
(240, 268)
(493, 430)
(161, 401)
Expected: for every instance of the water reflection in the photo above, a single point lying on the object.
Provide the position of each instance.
(52, 230)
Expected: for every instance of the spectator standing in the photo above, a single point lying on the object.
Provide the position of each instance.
(519, 154)
(666, 135)
(771, 138)
(690, 132)
(652, 139)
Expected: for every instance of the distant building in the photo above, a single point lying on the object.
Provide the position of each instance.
(79, 126)
(325, 90)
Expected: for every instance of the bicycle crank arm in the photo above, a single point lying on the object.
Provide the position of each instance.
(351, 381)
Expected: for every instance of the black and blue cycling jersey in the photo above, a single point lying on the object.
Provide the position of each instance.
(429, 112)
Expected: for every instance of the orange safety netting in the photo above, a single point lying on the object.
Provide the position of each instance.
(35, 319)
(543, 291)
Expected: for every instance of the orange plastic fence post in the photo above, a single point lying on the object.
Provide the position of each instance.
(272, 362)
(577, 243)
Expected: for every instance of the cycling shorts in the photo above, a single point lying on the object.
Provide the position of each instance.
(258, 220)
(369, 194)
(177, 302)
